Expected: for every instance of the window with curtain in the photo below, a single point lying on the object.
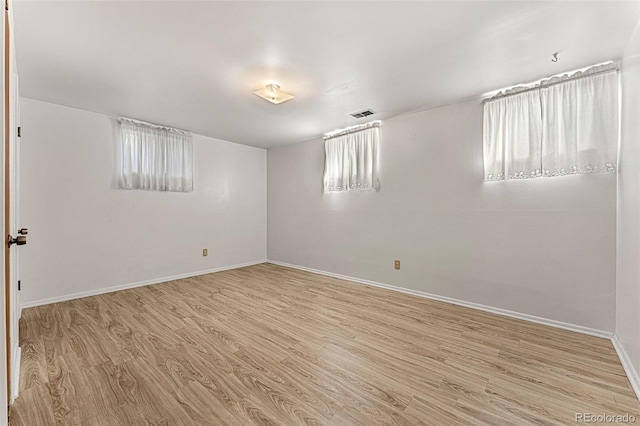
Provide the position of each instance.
(561, 126)
(351, 158)
(155, 158)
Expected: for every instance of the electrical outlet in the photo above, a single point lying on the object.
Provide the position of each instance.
(205, 252)
(397, 264)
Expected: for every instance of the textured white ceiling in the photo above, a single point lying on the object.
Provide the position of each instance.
(195, 65)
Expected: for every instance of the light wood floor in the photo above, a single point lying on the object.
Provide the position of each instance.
(271, 345)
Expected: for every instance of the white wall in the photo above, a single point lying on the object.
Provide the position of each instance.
(84, 235)
(628, 268)
(543, 247)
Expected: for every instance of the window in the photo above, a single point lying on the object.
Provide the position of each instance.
(563, 125)
(351, 158)
(154, 157)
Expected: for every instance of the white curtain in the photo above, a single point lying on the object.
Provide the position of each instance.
(155, 157)
(580, 125)
(336, 165)
(512, 135)
(563, 125)
(351, 159)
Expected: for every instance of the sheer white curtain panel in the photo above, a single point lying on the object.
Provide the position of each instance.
(154, 157)
(563, 125)
(351, 159)
(336, 167)
(513, 137)
(580, 125)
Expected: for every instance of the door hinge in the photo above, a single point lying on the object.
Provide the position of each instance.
(19, 131)
(19, 285)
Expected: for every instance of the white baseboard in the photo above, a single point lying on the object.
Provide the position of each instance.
(15, 374)
(96, 292)
(632, 373)
(491, 309)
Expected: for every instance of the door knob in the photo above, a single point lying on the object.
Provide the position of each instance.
(23, 231)
(19, 240)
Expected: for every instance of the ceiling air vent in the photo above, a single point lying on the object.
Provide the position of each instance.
(362, 114)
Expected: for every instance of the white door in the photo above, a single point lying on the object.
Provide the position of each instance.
(14, 204)
(13, 200)
(4, 352)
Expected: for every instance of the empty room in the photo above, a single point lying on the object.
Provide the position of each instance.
(320, 212)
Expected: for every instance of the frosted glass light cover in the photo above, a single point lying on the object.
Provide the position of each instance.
(273, 94)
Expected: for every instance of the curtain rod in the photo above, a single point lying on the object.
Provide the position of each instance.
(153, 126)
(351, 130)
(541, 85)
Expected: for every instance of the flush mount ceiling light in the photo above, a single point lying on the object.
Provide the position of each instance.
(273, 94)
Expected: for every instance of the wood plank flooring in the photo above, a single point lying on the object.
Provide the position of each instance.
(270, 345)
